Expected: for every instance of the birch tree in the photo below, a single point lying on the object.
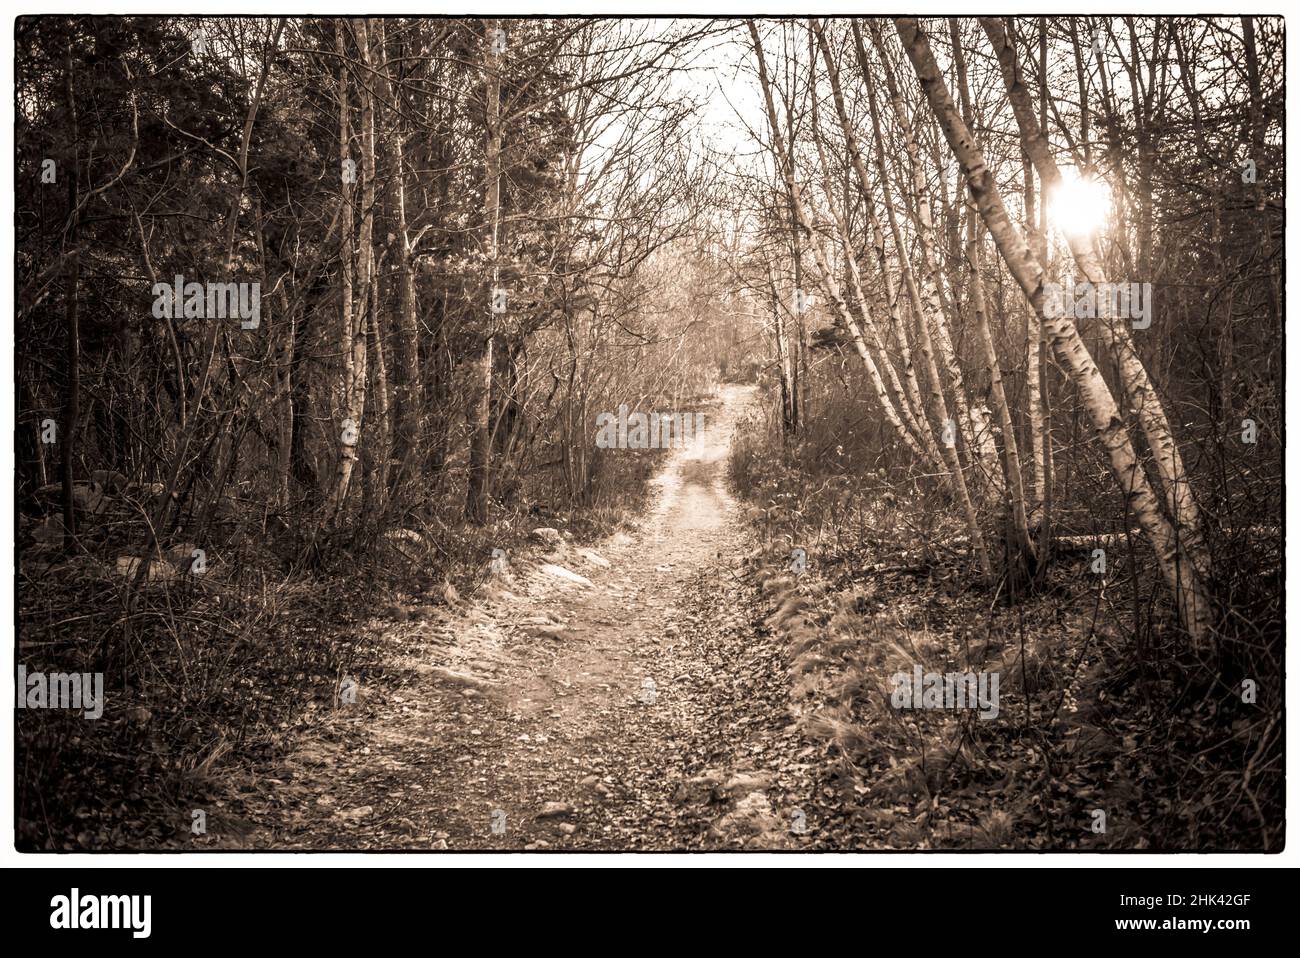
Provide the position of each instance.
(1139, 391)
(832, 289)
(1179, 571)
(480, 389)
(354, 260)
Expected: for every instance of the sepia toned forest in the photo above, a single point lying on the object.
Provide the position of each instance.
(980, 321)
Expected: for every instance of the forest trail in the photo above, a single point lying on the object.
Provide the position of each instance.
(641, 708)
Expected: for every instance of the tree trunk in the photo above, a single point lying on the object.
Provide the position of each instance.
(72, 324)
(352, 339)
(381, 421)
(408, 406)
(1020, 545)
(782, 357)
(480, 400)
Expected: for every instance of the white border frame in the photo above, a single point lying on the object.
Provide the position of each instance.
(9, 857)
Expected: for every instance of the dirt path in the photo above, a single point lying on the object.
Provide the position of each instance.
(641, 708)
